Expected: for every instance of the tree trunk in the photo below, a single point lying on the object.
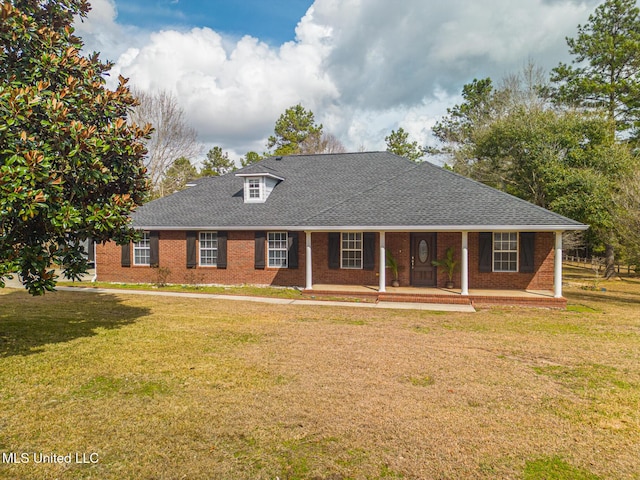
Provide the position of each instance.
(609, 261)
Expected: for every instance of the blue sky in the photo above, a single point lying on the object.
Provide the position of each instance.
(272, 21)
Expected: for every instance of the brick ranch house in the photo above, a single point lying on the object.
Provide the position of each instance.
(313, 221)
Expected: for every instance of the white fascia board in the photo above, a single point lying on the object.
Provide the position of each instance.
(442, 228)
(270, 175)
(382, 228)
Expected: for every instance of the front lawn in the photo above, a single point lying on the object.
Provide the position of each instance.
(168, 388)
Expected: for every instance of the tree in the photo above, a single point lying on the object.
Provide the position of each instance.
(512, 139)
(71, 168)
(398, 143)
(456, 129)
(321, 143)
(605, 71)
(178, 175)
(628, 226)
(172, 137)
(217, 163)
(563, 161)
(293, 127)
(249, 158)
(484, 104)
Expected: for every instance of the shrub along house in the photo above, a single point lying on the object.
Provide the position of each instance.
(315, 221)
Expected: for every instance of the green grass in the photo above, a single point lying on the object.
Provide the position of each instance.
(100, 386)
(250, 290)
(587, 378)
(555, 468)
(421, 380)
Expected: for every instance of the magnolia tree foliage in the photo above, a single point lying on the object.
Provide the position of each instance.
(71, 168)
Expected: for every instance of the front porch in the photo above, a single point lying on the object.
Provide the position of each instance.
(532, 277)
(475, 297)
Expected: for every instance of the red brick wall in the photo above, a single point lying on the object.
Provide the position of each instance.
(399, 244)
(240, 264)
(323, 274)
(540, 279)
(173, 255)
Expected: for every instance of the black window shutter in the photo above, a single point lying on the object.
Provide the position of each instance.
(368, 250)
(292, 254)
(154, 244)
(527, 250)
(125, 259)
(333, 253)
(259, 251)
(486, 251)
(91, 253)
(222, 250)
(192, 256)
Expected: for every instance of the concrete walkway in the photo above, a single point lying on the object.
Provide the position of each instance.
(271, 300)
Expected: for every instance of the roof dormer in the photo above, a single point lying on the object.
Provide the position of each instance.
(258, 186)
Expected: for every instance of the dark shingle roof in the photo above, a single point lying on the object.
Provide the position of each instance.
(365, 190)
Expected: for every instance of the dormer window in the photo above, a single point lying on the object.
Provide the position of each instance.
(254, 189)
(258, 186)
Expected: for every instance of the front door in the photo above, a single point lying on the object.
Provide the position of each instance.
(423, 251)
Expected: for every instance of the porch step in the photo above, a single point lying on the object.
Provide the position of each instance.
(541, 301)
(374, 296)
(414, 298)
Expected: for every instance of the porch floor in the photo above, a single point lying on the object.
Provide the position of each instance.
(476, 297)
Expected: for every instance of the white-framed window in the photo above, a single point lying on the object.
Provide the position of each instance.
(351, 250)
(505, 252)
(142, 251)
(208, 247)
(277, 244)
(254, 190)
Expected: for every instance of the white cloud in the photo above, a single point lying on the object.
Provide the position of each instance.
(101, 32)
(232, 94)
(363, 67)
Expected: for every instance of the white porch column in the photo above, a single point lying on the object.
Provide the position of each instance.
(383, 264)
(464, 265)
(308, 263)
(557, 270)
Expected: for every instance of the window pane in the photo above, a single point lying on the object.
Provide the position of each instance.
(208, 248)
(142, 251)
(277, 249)
(254, 186)
(351, 251)
(505, 252)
